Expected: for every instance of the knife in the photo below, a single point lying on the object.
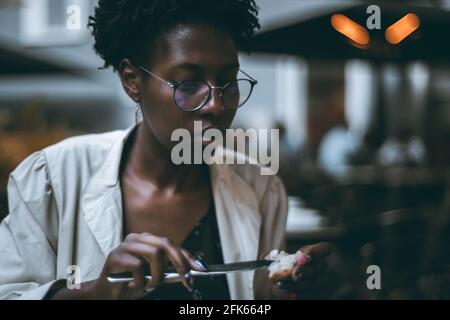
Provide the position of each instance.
(172, 276)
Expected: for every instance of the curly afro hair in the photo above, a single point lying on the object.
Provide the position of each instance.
(126, 28)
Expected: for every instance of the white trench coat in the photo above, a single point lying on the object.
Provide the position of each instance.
(65, 206)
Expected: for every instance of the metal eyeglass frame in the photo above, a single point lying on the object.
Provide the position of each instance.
(173, 85)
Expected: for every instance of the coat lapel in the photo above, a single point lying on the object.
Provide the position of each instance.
(102, 199)
(239, 223)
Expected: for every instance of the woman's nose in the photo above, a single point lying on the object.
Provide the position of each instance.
(214, 105)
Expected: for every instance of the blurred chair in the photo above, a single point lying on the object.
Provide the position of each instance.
(411, 248)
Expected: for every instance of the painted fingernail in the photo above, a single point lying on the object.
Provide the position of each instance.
(284, 286)
(303, 260)
(188, 281)
(201, 265)
(297, 276)
(298, 271)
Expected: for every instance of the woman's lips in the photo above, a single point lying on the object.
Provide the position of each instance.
(200, 136)
(205, 140)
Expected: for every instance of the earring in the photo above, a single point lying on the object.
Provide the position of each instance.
(138, 113)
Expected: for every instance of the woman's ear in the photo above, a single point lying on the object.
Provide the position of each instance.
(129, 75)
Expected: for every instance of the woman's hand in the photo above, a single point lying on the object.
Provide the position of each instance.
(307, 270)
(138, 254)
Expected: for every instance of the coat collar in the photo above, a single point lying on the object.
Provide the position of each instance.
(102, 200)
(237, 210)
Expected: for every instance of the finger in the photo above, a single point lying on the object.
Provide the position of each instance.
(138, 270)
(296, 275)
(307, 270)
(152, 255)
(309, 281)
(176, 257)
(286, 285)
(289, 289)
(196, 264)
(182, 264)
(303, 260)
(174, 254)
(126, 262)
(317, 251)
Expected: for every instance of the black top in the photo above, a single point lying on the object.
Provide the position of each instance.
(204, 243)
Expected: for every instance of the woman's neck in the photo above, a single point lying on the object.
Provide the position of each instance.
(147, 159)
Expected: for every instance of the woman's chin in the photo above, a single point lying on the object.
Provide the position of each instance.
(206, 142)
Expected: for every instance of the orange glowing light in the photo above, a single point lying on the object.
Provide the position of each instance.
(402, 28)
(350, 29)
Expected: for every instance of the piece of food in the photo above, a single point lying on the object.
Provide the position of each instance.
(283, 266)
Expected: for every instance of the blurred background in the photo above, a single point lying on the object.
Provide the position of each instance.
(360, 93)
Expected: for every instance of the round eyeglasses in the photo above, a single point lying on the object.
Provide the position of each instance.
(194, 94)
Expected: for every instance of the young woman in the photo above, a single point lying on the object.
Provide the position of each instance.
(99, 204)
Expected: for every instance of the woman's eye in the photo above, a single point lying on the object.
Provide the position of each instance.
(190, 86)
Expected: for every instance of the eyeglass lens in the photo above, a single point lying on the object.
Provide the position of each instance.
(191, 95)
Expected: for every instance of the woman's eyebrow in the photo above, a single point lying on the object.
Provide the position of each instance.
(230, 66)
